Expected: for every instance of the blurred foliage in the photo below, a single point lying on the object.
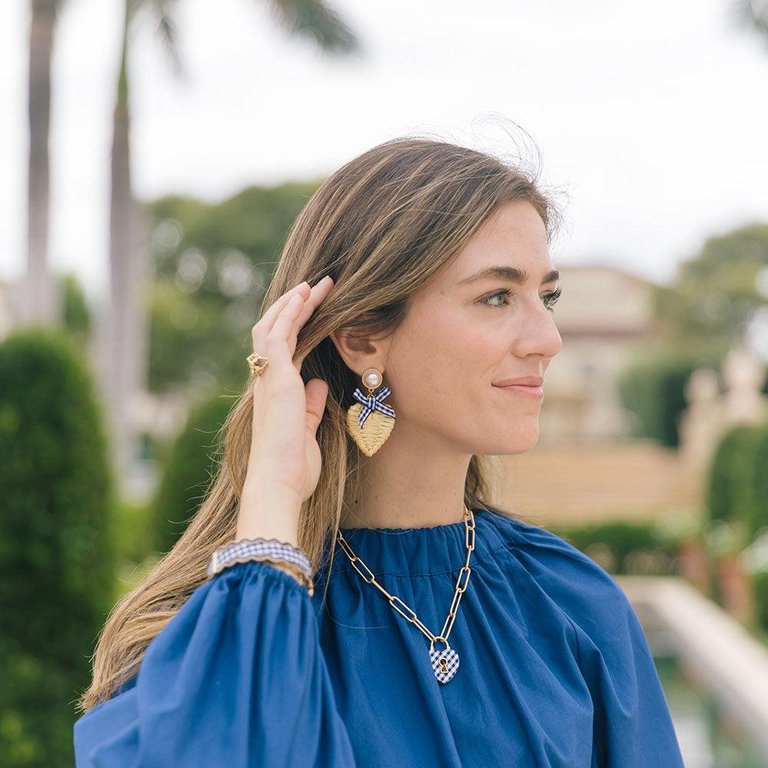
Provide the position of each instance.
(757, 517)
(132, 533)
(77, 316)
(731, 495)
(736, 506)
(189, 470)
(213, 264)
(133, 543)
(653, 388)
(55, 553)
(710, 307)
(760, 595)
(753, 15)
(716, 294)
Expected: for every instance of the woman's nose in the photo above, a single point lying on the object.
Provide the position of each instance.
(539, 334)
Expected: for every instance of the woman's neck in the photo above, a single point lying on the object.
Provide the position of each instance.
(399, 491)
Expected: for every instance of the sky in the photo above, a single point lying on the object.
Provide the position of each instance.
(648, 120)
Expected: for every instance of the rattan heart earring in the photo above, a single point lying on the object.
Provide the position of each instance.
(370, 420)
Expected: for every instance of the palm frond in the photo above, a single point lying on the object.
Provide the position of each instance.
(163, 12)
(161, 15)
(752, 14)
(316, 20)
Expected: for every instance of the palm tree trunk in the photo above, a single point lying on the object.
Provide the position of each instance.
(39, 300)
(124, 348)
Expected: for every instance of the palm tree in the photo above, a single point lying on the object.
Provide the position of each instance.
(39, 301)
(122, 353)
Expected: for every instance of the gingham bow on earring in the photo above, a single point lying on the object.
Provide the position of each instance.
(373, 403)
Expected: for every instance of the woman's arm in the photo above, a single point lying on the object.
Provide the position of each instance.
(237, 678)
(633, 724)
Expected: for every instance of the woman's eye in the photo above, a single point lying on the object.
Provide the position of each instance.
(498, 295)
(551, 299)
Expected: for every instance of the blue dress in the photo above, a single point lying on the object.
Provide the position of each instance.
(555, 670)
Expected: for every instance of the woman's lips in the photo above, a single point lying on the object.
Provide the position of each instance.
(530, 386)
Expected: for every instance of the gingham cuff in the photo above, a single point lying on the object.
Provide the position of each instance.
(256, 549)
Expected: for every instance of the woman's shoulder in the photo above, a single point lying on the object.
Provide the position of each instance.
(581, 587)
(539, 541)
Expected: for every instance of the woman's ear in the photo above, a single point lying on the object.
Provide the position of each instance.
(360, 351)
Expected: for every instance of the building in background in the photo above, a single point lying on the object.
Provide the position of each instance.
(604, 316)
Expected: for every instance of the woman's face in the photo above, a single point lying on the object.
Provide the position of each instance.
(465, 334)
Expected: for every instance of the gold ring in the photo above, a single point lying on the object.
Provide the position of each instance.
(257, 363)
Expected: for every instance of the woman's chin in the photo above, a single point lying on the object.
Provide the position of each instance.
(521, 442)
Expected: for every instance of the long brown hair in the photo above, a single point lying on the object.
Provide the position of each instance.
(382, 225)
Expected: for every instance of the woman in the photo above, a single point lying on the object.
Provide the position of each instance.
(440, 631)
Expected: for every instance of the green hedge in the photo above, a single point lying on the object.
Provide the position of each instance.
(731, 495)
(760, 594)
(189, 468)
(757, 515)
(654, 392)
(77, 315)
(624, 547)
(737, 495)
(55, 554)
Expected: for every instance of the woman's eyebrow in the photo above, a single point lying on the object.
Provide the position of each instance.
(512, 274)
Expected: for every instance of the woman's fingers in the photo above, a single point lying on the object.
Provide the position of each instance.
(278, 341)
(318, 294)
(312, 300)
(264, 325)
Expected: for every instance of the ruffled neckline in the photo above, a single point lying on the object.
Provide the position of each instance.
(423, 551)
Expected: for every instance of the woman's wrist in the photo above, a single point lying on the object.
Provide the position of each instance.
(272, 514)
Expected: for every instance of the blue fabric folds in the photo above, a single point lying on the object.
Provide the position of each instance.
(554, 671)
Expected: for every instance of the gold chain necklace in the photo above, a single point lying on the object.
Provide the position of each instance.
(444, 663)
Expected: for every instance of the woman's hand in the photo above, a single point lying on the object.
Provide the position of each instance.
(284, 459)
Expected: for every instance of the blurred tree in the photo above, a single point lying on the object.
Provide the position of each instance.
(717, 294)
(55, 551)
(190, 467)
(123, 357)
(213, 263)
(77, 316)
(40, 302)
(757, 516)
(653, 386)
(730, 492)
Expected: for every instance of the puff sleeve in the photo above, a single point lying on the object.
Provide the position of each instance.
(236, 678)
(632, 724)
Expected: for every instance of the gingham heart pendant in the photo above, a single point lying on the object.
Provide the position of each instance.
(371, 436)
(445, 663)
